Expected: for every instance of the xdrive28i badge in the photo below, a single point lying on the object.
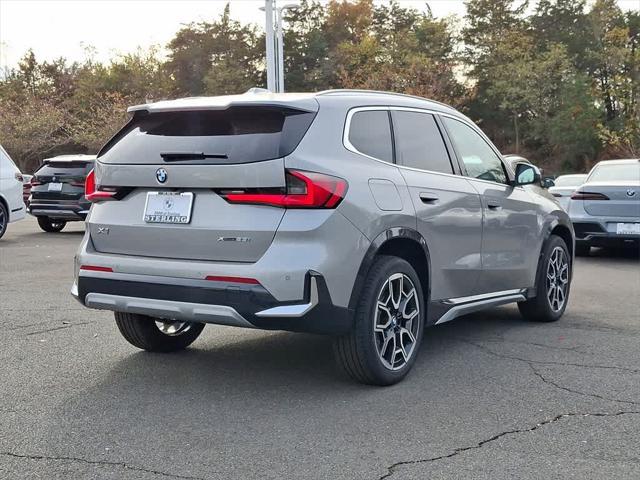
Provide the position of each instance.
(161, 175)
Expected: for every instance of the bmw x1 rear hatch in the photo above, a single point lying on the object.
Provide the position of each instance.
(167, 176)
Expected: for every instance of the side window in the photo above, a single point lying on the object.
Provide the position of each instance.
(370, 133)
(478, 157)
(419, 143)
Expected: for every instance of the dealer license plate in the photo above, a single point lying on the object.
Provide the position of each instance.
(168, 207)
(628, 228)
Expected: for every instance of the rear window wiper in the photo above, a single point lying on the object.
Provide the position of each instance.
(185, 156)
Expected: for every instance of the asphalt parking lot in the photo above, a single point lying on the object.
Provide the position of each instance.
(491, 396)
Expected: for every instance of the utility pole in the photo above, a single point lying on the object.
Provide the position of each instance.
(280, 30)
(270, 44)
(280, 49)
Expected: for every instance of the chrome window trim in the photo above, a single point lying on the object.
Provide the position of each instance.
(349, 146)
(388, 108)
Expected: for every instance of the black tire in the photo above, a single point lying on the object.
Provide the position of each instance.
(357, 352)
(582, 249)
(539, 309)
(49, 225)
(4, 218)
(142, 331)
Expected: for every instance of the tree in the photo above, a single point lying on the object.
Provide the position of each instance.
(216, 58)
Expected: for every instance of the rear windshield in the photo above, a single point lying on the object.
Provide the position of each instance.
(616, 172)
(234, 135)
(65, 168)
(569, 180)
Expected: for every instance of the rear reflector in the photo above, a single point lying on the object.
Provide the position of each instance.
(217, 278)
(579, 195)
(96, 268)
(93, 192)
(303, 190)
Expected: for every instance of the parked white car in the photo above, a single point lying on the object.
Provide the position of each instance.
(12, 206)
(564, 186)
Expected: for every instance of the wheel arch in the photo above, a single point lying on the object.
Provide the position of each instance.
(4, 202)
(401, 242)
(561, 228)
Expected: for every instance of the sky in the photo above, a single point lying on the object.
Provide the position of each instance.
(55, 28)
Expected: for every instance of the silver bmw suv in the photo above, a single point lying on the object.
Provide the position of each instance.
(368, 216)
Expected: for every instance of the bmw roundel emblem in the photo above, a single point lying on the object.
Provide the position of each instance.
(161, 175)
(631, 193)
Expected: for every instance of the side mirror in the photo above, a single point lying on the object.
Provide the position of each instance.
(547, 182)
(527, 174)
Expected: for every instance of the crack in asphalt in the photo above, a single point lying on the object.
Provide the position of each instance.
(544, 379)
(101, 463)
(535, 344)
(59, 327)
(29, 325)
(547, 362)
(578, 392)
(392, 468)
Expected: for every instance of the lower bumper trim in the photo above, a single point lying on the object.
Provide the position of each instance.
(194, 312)
(214, 302)
(56, 213)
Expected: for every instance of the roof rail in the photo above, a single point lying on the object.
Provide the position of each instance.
(378, 92)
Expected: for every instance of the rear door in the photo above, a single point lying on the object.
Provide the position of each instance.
(510, 235)
(448, 209)
(179, 164)
(10, 185)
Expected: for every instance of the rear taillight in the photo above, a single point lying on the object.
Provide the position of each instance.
(303, 190)
(35, 181)
(245, 280)
(580, 195)
(96, 268)
(95, 193)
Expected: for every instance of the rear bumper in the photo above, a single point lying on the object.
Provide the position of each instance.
(601, 233)
(64, 210)
(17, 213)
(608, 240)
(223, 303)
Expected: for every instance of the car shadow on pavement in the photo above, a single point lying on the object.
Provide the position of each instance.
(623, 253)
(278, 362)
(210, 395)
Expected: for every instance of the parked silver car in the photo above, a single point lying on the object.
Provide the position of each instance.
(605, 210)
(564, 186)
(364, 215)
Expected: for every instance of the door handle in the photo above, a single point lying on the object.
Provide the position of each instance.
(428, 197)
(493, 206)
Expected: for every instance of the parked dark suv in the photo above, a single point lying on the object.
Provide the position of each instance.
(57, 193)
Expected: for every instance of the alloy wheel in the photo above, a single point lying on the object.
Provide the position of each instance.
(557, 279)
(396, 321)
(173, 328)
